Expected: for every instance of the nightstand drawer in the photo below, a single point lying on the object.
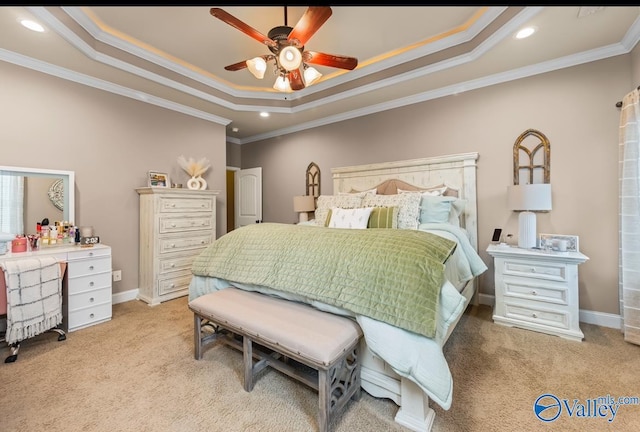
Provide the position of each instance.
(555, 271)
(532, 314)
(530, 290)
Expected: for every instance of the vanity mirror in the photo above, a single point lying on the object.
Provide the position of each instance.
(27, 195)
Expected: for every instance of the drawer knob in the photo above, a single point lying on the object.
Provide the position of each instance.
(91, 316)
(90, 267)
(91, 300)
(173, 285)
(534, 292)
(173, 265)
(173, 205)
(202, 241)
(91, 283)
(534, 315)
(173, 225)
(173, 245)
(533, 270)
(90, 253)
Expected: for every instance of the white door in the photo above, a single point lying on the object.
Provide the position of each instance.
(248, 186)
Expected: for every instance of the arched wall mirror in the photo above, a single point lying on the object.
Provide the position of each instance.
(28, 195)
(531, 158)
(313, 180)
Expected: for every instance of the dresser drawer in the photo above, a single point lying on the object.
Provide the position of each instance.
(169, 204)
(167, 286)
(534, 290)
(178, 244)
(89, 282)
(89, 266)
(90, 252)
(555, 271)
(86, 299)
(88, 316)
(558, 318)
(177, 263)
(170, 225)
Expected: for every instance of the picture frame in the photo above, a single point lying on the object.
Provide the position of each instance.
(158, 179)
(550, 242)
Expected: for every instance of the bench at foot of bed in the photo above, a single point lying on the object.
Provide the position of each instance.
(284, 331)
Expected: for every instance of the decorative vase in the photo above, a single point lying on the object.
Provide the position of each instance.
(203, 183)
(194, 183)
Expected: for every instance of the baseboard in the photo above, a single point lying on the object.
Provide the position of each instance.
(126, 296)
(601, 319)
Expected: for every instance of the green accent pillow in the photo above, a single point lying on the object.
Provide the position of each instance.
(383, 217)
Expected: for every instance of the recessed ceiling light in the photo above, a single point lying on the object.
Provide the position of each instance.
(525, 32)
(32, 25)
(235, 129)
(264, 114)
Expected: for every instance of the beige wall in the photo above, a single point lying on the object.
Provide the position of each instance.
(574, 108)
(110, 142)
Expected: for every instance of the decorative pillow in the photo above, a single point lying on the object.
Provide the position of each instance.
(434, 191)
(326, 202)
(408, 207)
(360, 194)
(383, 217)
(356, 218)
(441, 209)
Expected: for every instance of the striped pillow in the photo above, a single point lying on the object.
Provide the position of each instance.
(383, 217)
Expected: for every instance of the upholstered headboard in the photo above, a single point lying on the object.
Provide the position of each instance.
(457, 172)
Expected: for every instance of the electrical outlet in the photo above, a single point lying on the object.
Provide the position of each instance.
(117, 275)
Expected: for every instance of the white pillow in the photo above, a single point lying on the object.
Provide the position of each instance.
(408, 207)
(356, 218)
(327, 202)
(360, 194)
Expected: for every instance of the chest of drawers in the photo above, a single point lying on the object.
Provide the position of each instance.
(537, 290)
(175, 226)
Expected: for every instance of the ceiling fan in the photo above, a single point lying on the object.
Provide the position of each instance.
(287, 47)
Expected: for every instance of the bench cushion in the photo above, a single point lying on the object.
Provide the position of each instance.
(318, 336)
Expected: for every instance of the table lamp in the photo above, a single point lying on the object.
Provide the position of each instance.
(526, 199)
(303, 204)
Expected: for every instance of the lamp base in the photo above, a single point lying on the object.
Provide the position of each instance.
(527, 230)
(303, 217)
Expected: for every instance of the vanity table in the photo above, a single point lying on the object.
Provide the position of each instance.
(86, 286)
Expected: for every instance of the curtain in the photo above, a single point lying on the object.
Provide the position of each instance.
(11, 204)
(629, 214)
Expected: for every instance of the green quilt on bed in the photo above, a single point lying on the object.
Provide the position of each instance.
(391, 275)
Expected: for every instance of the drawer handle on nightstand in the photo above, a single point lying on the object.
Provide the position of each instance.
(173, 245)
(90, 267)
(90, 283)
(173, 225)
(91, 300)
(173, 265)
(202, 241)
(534, 292)
(90, 253)
(173, 285)
(173, 205)
(91, 315)
(533, 270)
(534, 315)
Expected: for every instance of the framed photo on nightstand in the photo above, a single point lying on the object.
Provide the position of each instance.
(158, 179)
(559, 242)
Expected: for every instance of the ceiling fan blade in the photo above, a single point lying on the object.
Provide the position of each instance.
(309, 24)
(236, 66)
(332, 60)
(295, 80)
(244, 28)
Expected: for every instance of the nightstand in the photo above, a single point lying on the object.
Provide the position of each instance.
(537, 290)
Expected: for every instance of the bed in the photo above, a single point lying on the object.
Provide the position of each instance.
(406, 366)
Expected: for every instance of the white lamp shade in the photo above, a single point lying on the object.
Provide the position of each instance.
(311, 75)
(282, 84)
(304, 203)
(290, 58)
(257, 66)
(529, 197)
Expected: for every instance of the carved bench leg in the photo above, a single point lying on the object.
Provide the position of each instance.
(247, 349)
(324, 400)
(197, 334)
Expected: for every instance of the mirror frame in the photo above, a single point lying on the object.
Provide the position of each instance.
(68, 180)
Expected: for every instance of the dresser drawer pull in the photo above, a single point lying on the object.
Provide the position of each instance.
(173, 205)
(202, 205)
(90, 253)
(534, 292)
(173, 245)
(91, 300)
(91, 315)
(173, 225)
(534, 315)
(173, 265)
(90, 267)
(91, 284)
(202, 242)
(173, 285)
(533, 270)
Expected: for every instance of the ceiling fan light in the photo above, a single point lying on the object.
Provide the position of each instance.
(257, 66)
(311, 75)
(282, 84)
(290, 58)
